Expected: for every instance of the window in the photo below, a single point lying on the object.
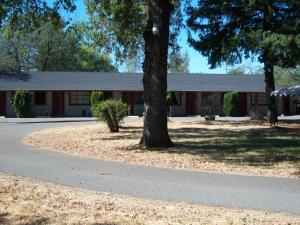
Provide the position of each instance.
(40, 98)
(258, 99)
(79, 98)
(139, 98)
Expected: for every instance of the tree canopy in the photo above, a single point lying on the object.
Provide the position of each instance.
(119, 26)
(178, 62)
(50, 48)
(228, 31)
(29, 14)
(287, 77)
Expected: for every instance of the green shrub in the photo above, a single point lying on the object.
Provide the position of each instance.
(169, 99)
(110, 111)
(20, 102)
(96, 97)
(230, 103)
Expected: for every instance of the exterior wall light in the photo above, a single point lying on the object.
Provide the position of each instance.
(155, 30)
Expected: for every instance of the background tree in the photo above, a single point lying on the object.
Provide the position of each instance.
(236, 71)
(54, 49)
(227, 31)
(178, 62)
(287, 77)
(51, 47)
(246, 69)
(35, 37)
(14, 51)
(18, 21)
(92, 61)
(28, 14)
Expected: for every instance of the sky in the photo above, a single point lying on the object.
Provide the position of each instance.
(198, 63)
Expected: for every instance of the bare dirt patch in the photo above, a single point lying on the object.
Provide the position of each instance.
(28, 201)
(246, 148)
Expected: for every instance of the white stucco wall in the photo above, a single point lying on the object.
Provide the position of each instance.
(75, 110)
(36, 110)
(117, 95)
(179, 110)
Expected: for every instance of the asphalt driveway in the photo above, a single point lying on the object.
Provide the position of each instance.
(261, 193)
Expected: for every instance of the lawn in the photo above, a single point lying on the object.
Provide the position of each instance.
(249, 148)
(31, 202)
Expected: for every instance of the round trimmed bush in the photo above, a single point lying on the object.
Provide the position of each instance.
(110, 111)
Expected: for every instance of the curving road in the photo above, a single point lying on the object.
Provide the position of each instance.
(261, 193)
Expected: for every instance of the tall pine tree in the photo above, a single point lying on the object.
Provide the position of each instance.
(228, 31)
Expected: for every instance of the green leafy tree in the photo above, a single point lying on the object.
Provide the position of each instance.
(19, 22)
(228, 31)
(111, 111)
(237, 71)
(54, 49)
(178, 63)
(21, 102)
(141, 28)
(92, 57)
(28, 14)
(51, 48)
(230, 102)
(92, 61)
(287, 77)
(15, 50)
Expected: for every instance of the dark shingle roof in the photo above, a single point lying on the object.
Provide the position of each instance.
(127, 81)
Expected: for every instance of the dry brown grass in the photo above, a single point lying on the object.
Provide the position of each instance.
(224, 147)
(27, 201)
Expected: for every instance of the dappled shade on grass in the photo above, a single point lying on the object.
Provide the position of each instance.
(249, 148)
(257, 146)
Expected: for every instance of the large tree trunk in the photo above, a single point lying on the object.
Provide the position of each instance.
(155, 75)
(271, 109)
(109, 121)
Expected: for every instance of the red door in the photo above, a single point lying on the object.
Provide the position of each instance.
(2, 103)
(58, 103)
(242, 108)
(128, 98)
(191, 103)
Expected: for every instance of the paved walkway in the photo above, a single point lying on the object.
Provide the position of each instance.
(271, 194)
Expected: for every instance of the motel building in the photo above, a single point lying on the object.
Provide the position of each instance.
(66, 94)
